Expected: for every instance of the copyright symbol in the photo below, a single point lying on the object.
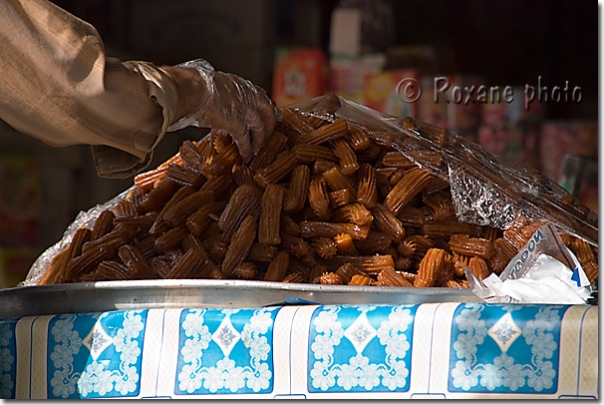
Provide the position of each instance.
(409, 90)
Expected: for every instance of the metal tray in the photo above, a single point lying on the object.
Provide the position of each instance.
(144, 294)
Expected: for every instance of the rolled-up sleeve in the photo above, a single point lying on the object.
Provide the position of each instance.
(57, 85)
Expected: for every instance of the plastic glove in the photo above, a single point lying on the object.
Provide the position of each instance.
(229, 103)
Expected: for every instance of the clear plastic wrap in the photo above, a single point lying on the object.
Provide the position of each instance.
(485, 192)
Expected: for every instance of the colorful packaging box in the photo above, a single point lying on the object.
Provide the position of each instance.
(383, 92)
(300, 74)
(347, 76)
(363, 352)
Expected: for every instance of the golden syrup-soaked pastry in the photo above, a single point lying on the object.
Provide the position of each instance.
(295, 198)
(396, 159)
(396, 176)
(409, 276)
(390, 278)
(55, 273)
(459, 261)
(360, 280)
(402, 263)
(155, 199)
(385, 221)
(136, 197)
(278, 169)
(457, 284)
(506, 248)
(353, 213)
(440, 205)
(288, 226)
(566, 238)
(240, 245)
(110, 242)
(219, 185)
(515, 238)
(321, 165)
(185, 176)
(317, 121)
(146, 180)
(586, 258)
(170, 239)
(316, 272)
(124, 208)
(410, 185)
(447, 227)
(437, 135)
(141, 222)
(315, 229)
(308, 153)
(324, 247)
(358, 138)
(370, 264)
(337, 181)
(277, 268)
(464, 245)
(112, 270)
(296, 121)
(191, 158)
(369, 154)
(296, 266)
(348, 159)
(188, 263)
(447, 271)
(345, 245)
(293, 278)
(243, 175)
(103, 224)
(270, 215)
(427, 214)
(426, 157)
(381, 138)
(137, 265)
(436, 184)
(528, 230)
(273, 146)
(430, 267)
(193, 242)
(220, 141)
(161, 265)
(246, 271)
(84, 263)
(479, 267)
(160, 226)
(367, 186)
(330, 279)
(339, 198)
(243, 202)
(318, 198)
(411, 216)
(376, 242)
(490, 233)
(201, 219)
(178, 213)
(328, 132)
(297, 247)
(347, 271)
(261, 253)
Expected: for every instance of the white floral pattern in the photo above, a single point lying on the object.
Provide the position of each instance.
(7, 359)
(98, 378)
(505, 373)
(225, 375)
(355, 370)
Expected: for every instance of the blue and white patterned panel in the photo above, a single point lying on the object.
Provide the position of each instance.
(360, 348)
(8, 358)
(95, 355)
(225, 351)
(505, 348)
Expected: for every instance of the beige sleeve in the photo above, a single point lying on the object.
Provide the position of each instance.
(58, 86)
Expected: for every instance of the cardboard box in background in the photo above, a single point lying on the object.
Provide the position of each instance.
(382, 93)
(299, 74)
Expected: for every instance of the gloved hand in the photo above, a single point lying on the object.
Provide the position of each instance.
(225, 102)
